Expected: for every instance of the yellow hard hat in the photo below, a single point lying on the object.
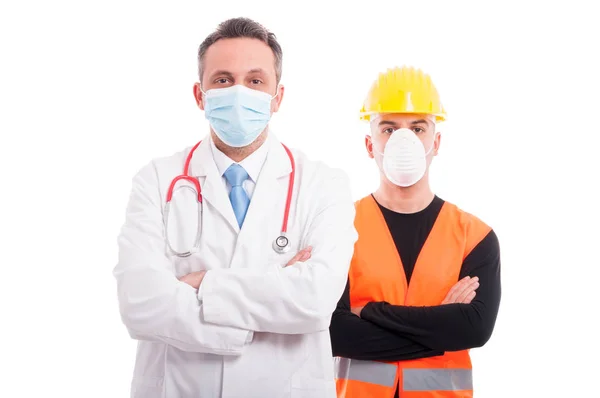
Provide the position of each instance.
(403, 90)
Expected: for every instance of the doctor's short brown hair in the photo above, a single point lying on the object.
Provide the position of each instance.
(242, 28)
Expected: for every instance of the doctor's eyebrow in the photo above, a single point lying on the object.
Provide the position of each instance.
(256, 70)
(222, 73)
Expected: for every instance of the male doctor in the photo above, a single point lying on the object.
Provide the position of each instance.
(236, 318)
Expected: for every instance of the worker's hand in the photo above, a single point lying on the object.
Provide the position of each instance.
(357, 310)
(463, 291)
(302, 255)
(194, 279)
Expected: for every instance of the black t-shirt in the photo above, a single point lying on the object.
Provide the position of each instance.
(393, 333)
(410, 231)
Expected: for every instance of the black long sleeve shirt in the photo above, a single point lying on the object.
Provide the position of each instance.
(393, 332)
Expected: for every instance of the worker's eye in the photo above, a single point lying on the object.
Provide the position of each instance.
(418, 130)
(389, 130)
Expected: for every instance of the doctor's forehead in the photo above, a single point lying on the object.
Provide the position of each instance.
(239, 56)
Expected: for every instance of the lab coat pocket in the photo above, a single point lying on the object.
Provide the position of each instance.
(306, 386)
(147, 387)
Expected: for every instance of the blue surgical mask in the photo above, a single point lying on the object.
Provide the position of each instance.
(237, 114)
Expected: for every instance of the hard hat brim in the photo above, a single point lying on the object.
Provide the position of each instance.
(367, 116)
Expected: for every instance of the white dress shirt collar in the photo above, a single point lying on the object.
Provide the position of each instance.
(252, 164)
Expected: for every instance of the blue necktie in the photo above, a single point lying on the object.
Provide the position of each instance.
(236, 175)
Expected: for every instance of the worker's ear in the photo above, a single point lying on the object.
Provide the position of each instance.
(369, 146)
(198, 96)
(436, 143)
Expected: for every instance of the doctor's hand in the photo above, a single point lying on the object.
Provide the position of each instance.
(303, 255)
(463, 291)
(194, 279)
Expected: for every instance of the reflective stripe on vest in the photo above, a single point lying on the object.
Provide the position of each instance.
(437, 379)
(380, 373)
(384, 374)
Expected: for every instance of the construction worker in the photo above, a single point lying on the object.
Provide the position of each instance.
(424, 282)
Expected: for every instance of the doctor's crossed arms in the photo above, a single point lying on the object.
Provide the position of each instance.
(194, 279)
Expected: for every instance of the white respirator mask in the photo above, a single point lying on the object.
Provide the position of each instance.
(404, 158)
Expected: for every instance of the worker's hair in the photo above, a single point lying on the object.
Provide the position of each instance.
(237, 28)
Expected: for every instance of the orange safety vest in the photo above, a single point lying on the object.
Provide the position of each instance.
(377, 274)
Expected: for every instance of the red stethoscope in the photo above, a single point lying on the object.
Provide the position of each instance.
(281, 244)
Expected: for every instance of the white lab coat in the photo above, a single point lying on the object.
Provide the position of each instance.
(260, 329)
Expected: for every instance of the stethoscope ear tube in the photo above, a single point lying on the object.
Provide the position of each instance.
(196, 244)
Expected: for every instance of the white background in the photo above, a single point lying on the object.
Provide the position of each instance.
(91, 91)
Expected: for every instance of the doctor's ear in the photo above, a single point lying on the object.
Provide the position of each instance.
(198, 96)
(277, 100)
(369, 146)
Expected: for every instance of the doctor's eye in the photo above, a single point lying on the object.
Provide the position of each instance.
(222, 81)
(256, 81)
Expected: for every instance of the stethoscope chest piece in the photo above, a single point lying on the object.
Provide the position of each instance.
(281, 245)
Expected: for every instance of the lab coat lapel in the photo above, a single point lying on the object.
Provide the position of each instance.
(213, 188)
(271, 189)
